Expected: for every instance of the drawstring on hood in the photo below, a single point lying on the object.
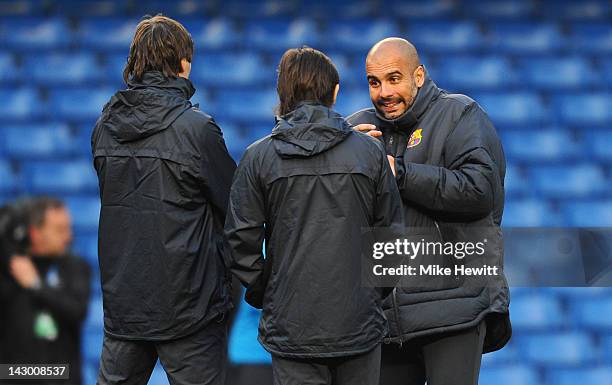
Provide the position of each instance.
(308, 130)
(148, 106)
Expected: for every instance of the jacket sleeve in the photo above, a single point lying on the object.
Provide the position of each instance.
(71, 300)
(217, 169)
(388, 213)
(466, 188)
(245, 232)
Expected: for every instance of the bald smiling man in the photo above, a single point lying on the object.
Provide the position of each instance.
(450, 168)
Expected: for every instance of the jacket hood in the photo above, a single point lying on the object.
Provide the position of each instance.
(148, 106)
(425, 95)
(309, 130)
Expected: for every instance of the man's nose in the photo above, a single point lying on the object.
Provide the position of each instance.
(386, 91)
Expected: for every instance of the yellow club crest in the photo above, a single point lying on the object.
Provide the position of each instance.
(415, 138)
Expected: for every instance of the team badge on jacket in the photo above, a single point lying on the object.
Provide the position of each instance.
(415, 138)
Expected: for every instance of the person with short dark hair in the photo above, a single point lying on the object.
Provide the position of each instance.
(308, 190)
(44, 295)
(164, 174)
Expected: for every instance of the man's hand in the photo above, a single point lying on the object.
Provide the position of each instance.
(391, 163)
(24, 272)
(369, 129)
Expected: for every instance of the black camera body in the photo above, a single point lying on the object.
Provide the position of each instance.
(14, 228)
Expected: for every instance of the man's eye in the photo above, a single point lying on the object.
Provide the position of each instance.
(394, 79)
(373, 83)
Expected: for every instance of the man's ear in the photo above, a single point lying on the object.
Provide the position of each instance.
(185, 68)
(419, 76)
(336, 92)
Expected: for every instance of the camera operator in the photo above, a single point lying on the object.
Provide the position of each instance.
(44, 291)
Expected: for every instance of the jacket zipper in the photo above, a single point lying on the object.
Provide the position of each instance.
(397, 317)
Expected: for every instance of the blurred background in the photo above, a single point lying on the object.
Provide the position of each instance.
(541, 69)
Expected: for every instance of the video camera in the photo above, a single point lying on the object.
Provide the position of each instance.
(14, 234)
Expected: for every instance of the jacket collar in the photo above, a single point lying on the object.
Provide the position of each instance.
(177, 86)
(408, 120)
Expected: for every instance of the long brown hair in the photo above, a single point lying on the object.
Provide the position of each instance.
(159, 44)
(305, 74)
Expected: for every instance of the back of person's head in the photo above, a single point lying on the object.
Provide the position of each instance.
(160, 44)
(305, 74)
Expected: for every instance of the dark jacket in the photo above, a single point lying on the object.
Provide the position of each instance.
(60, 303)
(164, 174)
(308, 190)
(450, 172)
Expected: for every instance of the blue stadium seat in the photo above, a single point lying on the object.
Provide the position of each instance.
(23, 8)
(591, 37)
(178, 9)
(509, 375)
(112, 69)
(559, 73)
(418, 10)
(10, 182)
(20, 104)
(258, 8)
(536, 312)
(596, 213)
(79, 8)
(60, 177)
(444, 37)
(606, 67)
(256, 132)
(38, 141)
(278, 35)
(601, 143)
(35, 34)
(482, 72)
(516, 183)
(593, 313)
(57, 68)
(577, 10)
(350, 69)
(86, 246)
(232, 70)
(571, 376)
(558, 349)
(514, 109)
(576, 294)
(235, 141)
(95, 315)
(343, 9)
(357, 35)
(10, 72)
(585, 109)
(526, 38)
(85, 212)
(91, 345)
(352, 100)
(246, 105)
(498, 9)
(218, 34)
(529, 213)
(107, 33)
(79, 104)
(607, 347)
(541, 145)
(571, 181)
